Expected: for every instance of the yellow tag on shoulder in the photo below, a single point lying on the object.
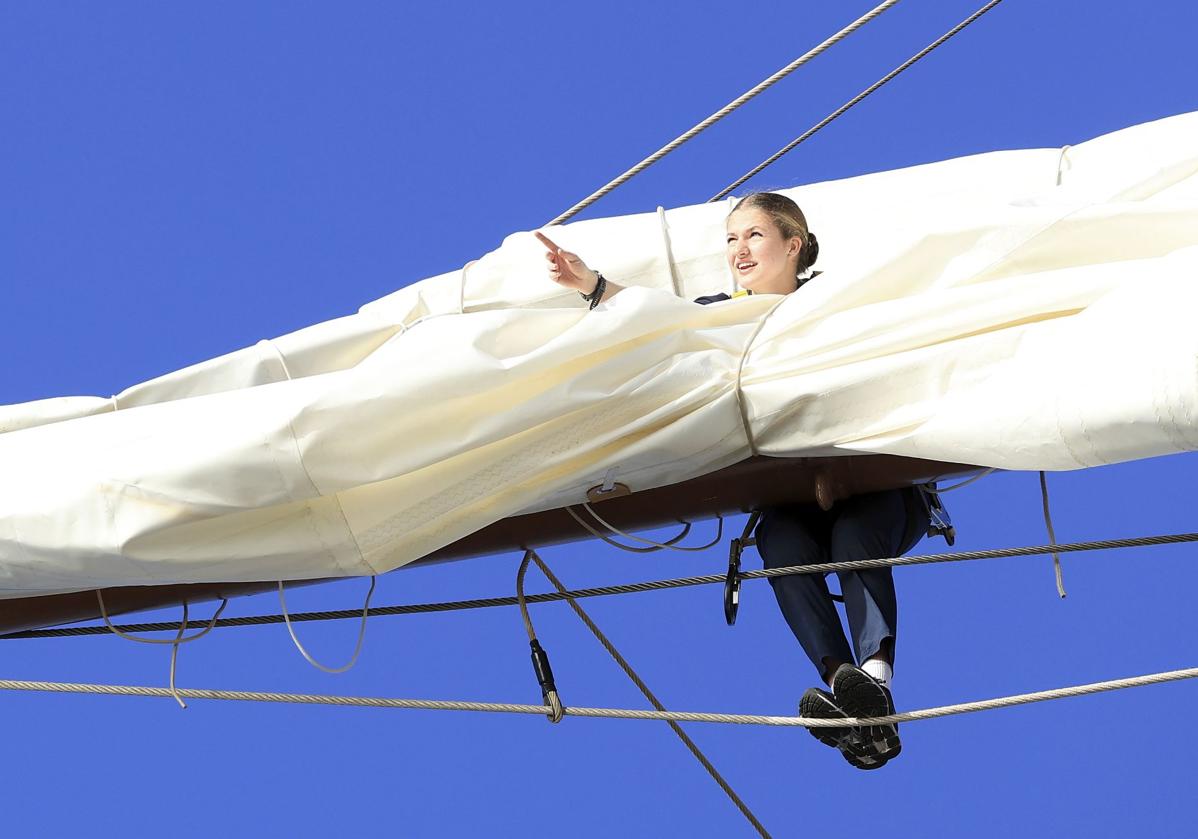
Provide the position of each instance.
(742, 293)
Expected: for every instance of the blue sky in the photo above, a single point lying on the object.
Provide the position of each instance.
(180, 180)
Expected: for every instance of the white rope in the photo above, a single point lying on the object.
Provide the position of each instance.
(686, 528)
(1061, 163)
(174, 642)
(656, 546)
(741, 405)
(604, 713)
(669, 251)
(723, 112)
(963, 483)
(357, 647)
(1052, 536)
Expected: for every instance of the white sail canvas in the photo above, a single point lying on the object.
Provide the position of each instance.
(1021, 310)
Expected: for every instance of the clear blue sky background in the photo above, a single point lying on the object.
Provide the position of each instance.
(179, 180)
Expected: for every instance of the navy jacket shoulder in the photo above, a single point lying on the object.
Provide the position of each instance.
(711, 298)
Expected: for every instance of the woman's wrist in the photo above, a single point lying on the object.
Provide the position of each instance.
(596, 294)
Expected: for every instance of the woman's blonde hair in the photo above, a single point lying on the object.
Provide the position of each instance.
(788, 218)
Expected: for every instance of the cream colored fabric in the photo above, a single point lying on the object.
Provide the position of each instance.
(1023, 310)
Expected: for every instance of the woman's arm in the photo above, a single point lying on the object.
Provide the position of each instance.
(567, 269)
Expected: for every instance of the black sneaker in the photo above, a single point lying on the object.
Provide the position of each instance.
(821, 705)
(861, 695)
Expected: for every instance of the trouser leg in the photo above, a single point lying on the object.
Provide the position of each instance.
(785, 537)
(873, 526)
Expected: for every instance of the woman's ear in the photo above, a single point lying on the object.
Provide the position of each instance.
(796, 245)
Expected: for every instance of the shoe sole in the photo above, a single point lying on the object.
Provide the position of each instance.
(816, 705)
(860, 696)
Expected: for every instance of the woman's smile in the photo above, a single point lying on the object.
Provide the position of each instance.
(760, 257)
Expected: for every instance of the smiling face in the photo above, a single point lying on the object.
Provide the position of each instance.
(761, 258)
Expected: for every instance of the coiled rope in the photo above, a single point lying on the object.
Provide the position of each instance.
(627, 588)
(723, 112)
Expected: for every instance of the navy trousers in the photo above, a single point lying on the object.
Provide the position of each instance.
(879, 524)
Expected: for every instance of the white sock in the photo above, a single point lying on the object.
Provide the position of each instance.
(880, 669)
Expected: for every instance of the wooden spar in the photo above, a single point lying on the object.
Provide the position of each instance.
(754, 483)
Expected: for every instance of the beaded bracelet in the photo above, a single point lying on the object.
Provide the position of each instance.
(595, 296)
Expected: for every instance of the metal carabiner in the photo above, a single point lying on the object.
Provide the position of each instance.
(732, 580)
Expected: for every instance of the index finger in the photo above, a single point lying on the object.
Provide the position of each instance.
(546, 241)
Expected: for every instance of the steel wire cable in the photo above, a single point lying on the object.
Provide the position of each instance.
(690, 744)
(627, 588)
(604, 713)
(759, 168)
(723, 112)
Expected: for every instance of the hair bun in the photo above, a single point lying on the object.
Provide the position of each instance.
(812, 250)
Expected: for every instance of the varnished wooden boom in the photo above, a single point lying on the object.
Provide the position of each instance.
(754, 483)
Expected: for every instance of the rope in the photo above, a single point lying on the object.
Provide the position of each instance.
(963, 483)
(627, 588)
(357, 647)
(122, 631)
(175, 657)
(686, 528)
(604, 713)
(655, 546)
(174, 642)
(544, 674)
(1052, 536)
(742, 406)
(644, 689)
(858, 98)
(723, 112)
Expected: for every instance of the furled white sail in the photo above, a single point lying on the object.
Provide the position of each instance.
(1023, 310)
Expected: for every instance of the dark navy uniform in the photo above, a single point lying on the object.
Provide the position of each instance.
(871, 526)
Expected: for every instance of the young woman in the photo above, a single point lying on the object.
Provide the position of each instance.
(770, 251)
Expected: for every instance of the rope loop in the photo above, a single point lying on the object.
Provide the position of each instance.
(672, 544)
(357, 647)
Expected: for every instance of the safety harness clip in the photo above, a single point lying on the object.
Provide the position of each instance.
(732, 580)
(939, 521)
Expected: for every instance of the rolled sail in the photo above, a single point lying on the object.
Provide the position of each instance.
(1022, 310)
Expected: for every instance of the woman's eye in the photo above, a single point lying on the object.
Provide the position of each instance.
(755, 233)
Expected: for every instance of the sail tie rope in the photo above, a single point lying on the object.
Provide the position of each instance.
(626, 588)
(558, 710)
(1052, 536)
(723, 112)
(357, 647)
(756, 170)
(606, 713)
(654, 546)
(964, 483)
(174, 642)
(686, 528)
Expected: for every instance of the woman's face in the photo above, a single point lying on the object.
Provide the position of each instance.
(760, 258)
